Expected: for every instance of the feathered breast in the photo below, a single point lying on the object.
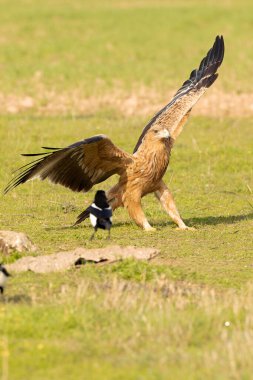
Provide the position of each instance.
(149, 167)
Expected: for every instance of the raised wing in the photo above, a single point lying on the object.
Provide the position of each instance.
(78, 166)
(177, 111)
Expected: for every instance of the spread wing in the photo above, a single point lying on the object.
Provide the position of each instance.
(177, 111)
(78, 166)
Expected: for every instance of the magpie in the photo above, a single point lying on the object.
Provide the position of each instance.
(3, 277)
(100, 213)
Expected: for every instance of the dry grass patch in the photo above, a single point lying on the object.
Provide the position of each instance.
(142, 101)
(162, 329)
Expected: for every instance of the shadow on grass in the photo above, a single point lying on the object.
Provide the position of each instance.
(191, 222)
(85, 225)
(208, 220)
(17, 298)
(214, 220)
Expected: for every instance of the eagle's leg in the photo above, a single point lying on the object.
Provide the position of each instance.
(118, 197)
(165, 197)
(133, 206)
(114, 196)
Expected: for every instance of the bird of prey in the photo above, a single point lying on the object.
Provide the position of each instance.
(3, 277)
(86, 163)
(100, 213)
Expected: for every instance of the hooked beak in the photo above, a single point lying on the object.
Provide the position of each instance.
(164, 134)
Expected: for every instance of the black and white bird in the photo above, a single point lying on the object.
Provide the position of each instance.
(3, 277)
(100, 213)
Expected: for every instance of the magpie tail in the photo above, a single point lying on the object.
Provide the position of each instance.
(81, 217)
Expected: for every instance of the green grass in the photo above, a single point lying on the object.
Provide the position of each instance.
(209, 175)
(74, 45)
(131, 320)
(114, 329)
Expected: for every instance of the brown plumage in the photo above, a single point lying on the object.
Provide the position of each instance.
(93, 160)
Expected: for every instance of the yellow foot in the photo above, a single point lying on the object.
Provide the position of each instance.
(184, 228)
(149, 229)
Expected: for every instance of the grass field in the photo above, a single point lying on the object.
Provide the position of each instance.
(188, 313)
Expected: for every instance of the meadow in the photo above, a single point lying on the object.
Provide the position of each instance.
(70, 70)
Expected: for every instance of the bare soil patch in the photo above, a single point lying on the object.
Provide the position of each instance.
(80, 256)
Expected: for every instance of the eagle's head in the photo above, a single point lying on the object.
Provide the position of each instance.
(160, 133)
(156, 138)
(157, 135)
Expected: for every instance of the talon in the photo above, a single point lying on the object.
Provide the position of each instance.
(186, 228)
(149, 229)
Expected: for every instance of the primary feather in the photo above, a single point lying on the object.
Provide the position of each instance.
(189, 93)
(78, 166)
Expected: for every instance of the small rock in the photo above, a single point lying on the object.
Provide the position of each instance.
(27, 102)
(15, 241)
(12, 109)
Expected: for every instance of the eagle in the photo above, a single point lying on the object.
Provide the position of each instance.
(91, 161)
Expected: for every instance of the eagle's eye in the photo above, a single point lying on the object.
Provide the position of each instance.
(156, 131)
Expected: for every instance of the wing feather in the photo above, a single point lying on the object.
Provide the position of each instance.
(173, 114)
(78, 166)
